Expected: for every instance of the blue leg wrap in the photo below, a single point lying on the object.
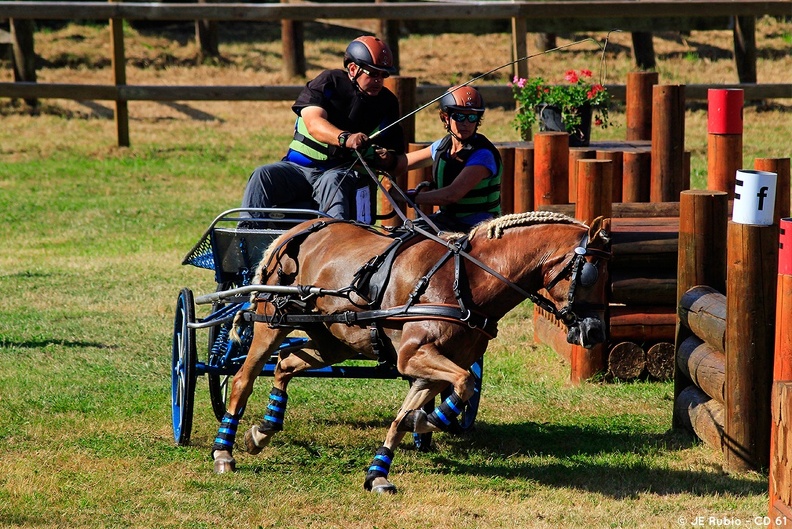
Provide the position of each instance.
(276, 410)
(226, 433)
(444, 416)
(380, 466)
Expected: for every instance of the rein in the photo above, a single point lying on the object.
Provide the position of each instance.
(566, 314)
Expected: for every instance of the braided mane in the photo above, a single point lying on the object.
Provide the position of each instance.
(495, 227)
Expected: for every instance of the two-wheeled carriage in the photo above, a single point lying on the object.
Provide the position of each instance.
(232, 247)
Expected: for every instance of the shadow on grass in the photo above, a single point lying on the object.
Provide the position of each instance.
(618, 464)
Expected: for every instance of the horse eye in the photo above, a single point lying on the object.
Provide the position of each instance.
(589, 275)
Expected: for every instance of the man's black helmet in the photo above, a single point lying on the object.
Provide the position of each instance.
(462, 98)
(370, 52)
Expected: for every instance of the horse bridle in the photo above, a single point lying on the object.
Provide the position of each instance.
(580, 272)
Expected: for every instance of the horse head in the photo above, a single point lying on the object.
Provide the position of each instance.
(577, 286)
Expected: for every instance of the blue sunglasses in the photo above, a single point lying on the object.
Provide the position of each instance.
(459, 117)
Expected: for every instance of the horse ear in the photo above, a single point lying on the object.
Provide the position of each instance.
(600, 227)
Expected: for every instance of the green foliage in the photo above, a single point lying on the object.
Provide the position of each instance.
(534, 93)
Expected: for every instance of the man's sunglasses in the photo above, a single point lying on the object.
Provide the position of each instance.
(459, 117)
(374, 73)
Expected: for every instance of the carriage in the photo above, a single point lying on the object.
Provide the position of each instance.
(232, 246)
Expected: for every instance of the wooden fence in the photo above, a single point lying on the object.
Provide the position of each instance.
(525, 16)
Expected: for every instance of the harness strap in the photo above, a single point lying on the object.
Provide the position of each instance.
(437, 311)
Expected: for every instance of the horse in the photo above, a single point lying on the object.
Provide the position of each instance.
(432, 311)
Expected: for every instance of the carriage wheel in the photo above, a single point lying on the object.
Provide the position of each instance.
(183, 361)
(218, 384)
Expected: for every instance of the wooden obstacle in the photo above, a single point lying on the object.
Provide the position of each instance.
(780, 482)
(724, 342)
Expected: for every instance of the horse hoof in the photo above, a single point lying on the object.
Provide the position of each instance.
(224, 463)
(410, 421)
(255, 441)
(381, 485)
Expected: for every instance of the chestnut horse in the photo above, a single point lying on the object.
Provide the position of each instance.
(435, 313)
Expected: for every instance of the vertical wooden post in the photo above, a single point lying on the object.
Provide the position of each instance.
(519, 47)
(643, 50)
(578, 153)
(779, 166)
(780, 487)
(724, 138)
(206, 35)
(293, 47)
(523, 179)
(24, 53)
(415, 177)
(118, 62)
(636, 172)
(507, 179)
(701, 259)
(616, 158)
(751, 279)
(668, 142)
(594, 181)
(404, 89)
(551, 168)
(639, 104)
(745, 48)
(389, 32)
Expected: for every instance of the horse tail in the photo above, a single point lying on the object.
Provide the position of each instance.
(233, 335)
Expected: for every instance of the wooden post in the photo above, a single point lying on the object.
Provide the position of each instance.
(578, 153)
(595, 178)
(415, 177)
(24, 53)
(519, 48)
(724, 138)
(639, 104)
(118, 62)
(752, 260)
(745, 48)
(523, 179)
(780, 489)
(507, 179)
(389, 32)
(668, 142)
(636, 175)
(551, 168)
(206, 35)
(404, 89)
(701, 259)
(616, 158)
(779, 166)
(293, 47)
(643, 50)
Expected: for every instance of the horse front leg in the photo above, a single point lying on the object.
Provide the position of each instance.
(421, 392)
(428, 362)
(290, 363)
(265, 341)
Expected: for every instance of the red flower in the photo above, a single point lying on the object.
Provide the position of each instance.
(585, 73)
(571, 76)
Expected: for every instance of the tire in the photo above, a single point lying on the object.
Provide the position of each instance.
(183, 362)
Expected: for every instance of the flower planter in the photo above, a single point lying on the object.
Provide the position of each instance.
(550, 120)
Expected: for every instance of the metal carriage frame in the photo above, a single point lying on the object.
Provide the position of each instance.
(232, 246)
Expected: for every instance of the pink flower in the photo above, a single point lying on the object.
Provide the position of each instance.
(571, 76)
